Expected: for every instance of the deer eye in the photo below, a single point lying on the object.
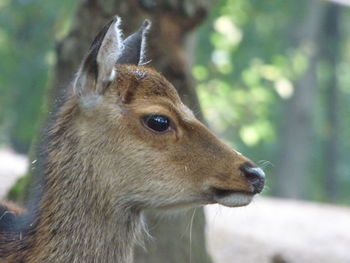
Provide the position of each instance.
(157, 123)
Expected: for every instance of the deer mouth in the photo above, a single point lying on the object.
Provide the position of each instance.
(231, 198)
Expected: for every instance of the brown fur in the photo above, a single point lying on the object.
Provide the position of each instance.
(104, 167)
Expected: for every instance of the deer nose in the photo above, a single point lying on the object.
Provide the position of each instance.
(255, 176)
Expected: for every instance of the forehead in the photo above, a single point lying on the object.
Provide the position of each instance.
(140, 82)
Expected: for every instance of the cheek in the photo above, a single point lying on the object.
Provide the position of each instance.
(188, 160)
(155, 159)
(156, 169)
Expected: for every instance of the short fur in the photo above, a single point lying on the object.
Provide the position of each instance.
(104, 166)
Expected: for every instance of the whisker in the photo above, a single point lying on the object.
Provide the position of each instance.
(192, 218)
(264, 164)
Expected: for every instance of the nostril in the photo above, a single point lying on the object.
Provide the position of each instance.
(254, 175)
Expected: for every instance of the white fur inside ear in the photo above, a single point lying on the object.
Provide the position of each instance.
(79, 82)
(85, 84)
(109, 51)
(112, 75)
(119, 32)
(90, 101)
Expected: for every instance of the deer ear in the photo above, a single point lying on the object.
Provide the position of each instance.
(97, 69)
(134, 47)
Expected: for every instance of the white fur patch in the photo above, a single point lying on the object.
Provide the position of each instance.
(90, 101)
(145, 31)
(234, 199)
(109, 52)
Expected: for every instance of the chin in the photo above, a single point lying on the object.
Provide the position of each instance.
(226, 198)
(234, 199)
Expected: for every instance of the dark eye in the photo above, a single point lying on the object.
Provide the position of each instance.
(157, 123)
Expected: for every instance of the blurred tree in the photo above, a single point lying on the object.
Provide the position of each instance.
(26, 39)
(331, 49)
(262, 85)
(296, 135)
(171, 54)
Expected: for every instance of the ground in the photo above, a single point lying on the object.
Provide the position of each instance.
(298, 232)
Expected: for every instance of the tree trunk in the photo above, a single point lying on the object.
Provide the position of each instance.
(331, 42)
(296, 135)
(172, 22)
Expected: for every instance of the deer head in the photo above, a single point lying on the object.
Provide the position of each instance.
(146, 146)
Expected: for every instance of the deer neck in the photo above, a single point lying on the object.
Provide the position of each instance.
(76, 221)
(81, 237)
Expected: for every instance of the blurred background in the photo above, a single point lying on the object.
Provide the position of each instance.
(271, 78)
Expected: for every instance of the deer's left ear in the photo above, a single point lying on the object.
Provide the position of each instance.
(134, 46)
(97, 69)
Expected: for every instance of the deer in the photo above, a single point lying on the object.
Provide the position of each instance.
(120, 143)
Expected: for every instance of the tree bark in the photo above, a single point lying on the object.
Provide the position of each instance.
(172, 23)
(331, 43)
(296, 134)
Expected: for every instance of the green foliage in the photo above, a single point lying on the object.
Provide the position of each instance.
(19, 190)
(246, 69)
(27, 33)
